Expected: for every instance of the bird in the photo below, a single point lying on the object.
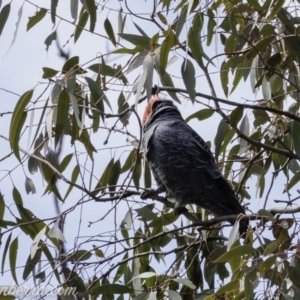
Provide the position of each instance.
(183, 165)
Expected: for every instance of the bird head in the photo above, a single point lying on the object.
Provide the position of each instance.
(148, 109)
(156, 106)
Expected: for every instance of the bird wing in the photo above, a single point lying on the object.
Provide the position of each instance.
(184, 165)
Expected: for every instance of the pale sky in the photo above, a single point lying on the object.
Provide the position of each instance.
(21, 70)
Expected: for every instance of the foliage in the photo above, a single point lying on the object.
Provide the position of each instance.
(83, 109)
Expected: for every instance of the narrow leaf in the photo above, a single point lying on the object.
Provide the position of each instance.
(36, 241)
(50, 38)
(74, 177)
(13, 250)
(49, 73)
(185, 282)
(188, 76)
(29, 186)
(53, 10)
(17, 121)
(56, 233)
(110, 31)
(62, 114)
(81, 24)
(74, 9)
(36, 18)
(4, 16)
(296, 136)
(137, 40)
(7, 244)
(168, 43)
(235, 253)
(92, 10)
(201, 114)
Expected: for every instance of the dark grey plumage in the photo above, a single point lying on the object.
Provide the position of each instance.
(183, 165)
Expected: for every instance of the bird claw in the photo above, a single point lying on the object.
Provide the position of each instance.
(180, 210)
(147, 193)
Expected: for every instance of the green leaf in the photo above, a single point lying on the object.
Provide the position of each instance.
(92, 10)
(164, 220)
(53, 10)
(137, 40)
(295, 179)
(267, 264)
(201, 114)
(65, 162)
(166, 80)
(74, 9)
(74, 177)
(110, 31)
(236, 116)
(103, 181)
(13, 250)
(17, 121)
(106, 70)
(137, 172)
(173, 295)
(62, 114)
(223, 130)
(136, 49)
(29, 186)
(2, 208)
(69, 64)
(294, 274)
(162, 18)
(224, 76)
(122, 106)
(235, 253)
(146, 212)
(147, 175)
(260, 46)
(272, 247)
(266, 213)
(81, 255)
(276, 8)
(227, 288)
(129, 161)
(50, 38)
(36, 18)
(296, 136)
(122, 268)
(168, 43)
(185, 282)
(49, 73)
(81, 24)
(114, 176)
(210, 30)
(188, 76)
(4, 16)
(31, 263)
(181, 21)
(255, 4)
(96, 92)
(7, 244)
(17, 196)
(194, 44)
(107, 289)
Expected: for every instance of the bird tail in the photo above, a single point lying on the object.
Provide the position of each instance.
(244, 224)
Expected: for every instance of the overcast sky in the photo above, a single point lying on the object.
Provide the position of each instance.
(21, 70)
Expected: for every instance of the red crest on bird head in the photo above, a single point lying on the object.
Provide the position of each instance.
(148, 109)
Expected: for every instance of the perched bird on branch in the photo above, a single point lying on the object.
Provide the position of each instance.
(183, 165)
